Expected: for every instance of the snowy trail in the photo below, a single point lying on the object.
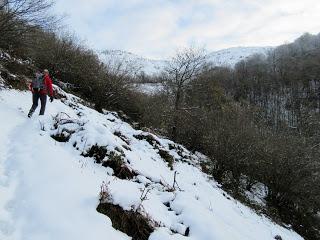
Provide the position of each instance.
(7, 185)
(43, 186)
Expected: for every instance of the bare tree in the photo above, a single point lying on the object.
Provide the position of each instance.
(18, 17)
(185, 66)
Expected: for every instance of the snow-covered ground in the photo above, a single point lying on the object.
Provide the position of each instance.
(149, 88)
(49, 191)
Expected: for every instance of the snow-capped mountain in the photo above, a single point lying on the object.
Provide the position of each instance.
(226, 57)
(231, 56)
(138, 63)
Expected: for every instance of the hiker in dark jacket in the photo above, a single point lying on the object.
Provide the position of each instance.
(41, 86)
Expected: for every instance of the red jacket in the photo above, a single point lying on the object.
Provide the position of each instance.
(48, 89)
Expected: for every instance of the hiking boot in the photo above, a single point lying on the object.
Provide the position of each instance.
(30, 114)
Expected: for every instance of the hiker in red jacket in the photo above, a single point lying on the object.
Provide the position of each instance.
(41, 86)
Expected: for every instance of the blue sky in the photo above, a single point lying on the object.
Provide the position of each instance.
(156, 28)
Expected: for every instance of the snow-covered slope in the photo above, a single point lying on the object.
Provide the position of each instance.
(48, 190)
(149, 88)
(225, 57)
(229, 57)
(141, 64)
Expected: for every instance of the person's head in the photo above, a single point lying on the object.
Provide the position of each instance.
(45, 71)
(38, 73)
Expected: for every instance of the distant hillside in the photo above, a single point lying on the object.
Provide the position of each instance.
(230, 56)
(139, 63)
(225, 57)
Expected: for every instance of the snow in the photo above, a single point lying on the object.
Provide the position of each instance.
(50, 195)
(257, 194)
(149, 88)
(226, 57)
(49, 191)
(141, 64)
(229, 57)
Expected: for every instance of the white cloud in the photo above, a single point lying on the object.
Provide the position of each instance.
(156, 28)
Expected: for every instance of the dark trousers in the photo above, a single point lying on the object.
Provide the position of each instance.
(35, 99)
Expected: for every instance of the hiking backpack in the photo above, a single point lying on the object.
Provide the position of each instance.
(38, 82)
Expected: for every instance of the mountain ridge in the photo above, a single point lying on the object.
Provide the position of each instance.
(224, 57)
